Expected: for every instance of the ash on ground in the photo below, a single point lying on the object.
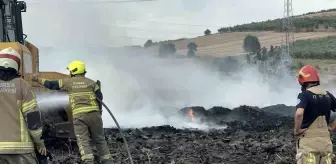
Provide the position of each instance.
(252, 135)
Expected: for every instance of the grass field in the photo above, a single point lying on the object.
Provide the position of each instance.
(326, 67)
(320, 63)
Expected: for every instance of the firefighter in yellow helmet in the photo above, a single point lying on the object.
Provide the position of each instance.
(20, 120)
(86, 111)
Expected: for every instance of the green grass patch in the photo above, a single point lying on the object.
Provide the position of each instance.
(321, 48)
(319, 64)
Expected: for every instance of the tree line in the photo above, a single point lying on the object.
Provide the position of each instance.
(168, 48)
(307, 24)
(300, 22)
(257, 53)
(322, 11)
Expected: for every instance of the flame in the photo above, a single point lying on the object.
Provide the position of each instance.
(191, 114)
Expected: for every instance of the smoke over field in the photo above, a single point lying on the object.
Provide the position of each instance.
(144, 90)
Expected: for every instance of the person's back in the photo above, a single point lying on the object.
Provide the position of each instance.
(12, 123)
(312, 118)
(86, 117)
(318, 103)
(82, 94)
(20, 121)
(86, 111)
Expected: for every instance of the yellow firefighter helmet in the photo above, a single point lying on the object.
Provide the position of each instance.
(9, 58)
(76, 67)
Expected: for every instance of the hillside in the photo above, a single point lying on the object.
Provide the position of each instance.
(229, 40)
(324, 20)
(227, 44)
(329, 12)
(320, 14)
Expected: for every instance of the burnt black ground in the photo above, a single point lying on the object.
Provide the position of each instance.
(253, 135)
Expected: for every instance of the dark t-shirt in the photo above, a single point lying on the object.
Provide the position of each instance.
(315, 105)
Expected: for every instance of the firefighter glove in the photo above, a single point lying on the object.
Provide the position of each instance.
(42, 151)
(39, 145)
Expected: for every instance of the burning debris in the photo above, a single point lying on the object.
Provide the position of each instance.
(191, 114)
(253, 135)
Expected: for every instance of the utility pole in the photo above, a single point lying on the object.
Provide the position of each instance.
(288, 29)
(287, 44)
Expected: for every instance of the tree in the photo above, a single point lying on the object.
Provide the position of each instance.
(228, 65)
(264, 56)
(251, 44)
(192, 47)
(148, 43)
(172, 48)
(167, 49)
(248, 58)
(326, 25)
(271, 51)
(207, 32)
(258, 56)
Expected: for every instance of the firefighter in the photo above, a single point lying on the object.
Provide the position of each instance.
(85, 110)
(20, 120)
(312, 119)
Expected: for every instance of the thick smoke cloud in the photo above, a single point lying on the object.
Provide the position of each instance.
(144, 90)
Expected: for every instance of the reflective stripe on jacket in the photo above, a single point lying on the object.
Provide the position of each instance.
(16, 99)
(83, 102)
(81, 91)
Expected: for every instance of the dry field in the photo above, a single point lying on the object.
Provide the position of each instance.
(232, 43)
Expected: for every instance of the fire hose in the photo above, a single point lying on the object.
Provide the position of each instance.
(120, 131)
(116, 122)
(43, 159)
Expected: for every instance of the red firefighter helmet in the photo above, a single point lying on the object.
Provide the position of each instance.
(308, 74)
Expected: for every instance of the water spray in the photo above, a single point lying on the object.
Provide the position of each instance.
(121, 133)
(116, 122)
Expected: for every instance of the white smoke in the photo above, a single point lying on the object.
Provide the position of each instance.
(141, 90)
(144, 90)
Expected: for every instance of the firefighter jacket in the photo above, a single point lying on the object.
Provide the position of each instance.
(17, 101)
(83, 92)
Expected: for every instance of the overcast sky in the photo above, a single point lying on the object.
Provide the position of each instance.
(50, 23)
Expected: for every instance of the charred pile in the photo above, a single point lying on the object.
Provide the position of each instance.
(252, 135)
(245, 118)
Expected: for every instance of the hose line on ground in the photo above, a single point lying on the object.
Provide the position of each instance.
(121, 133)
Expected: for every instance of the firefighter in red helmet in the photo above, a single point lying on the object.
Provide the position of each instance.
(20, 119)
(312, 119)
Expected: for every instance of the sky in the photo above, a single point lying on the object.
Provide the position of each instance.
(68, 22)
